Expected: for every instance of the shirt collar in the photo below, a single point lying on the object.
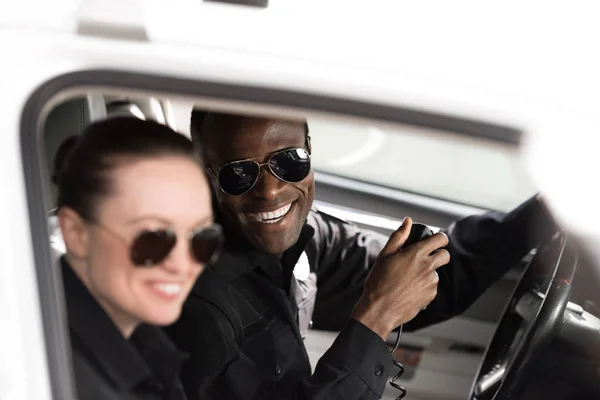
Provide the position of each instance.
(240, 257)
(148, 353)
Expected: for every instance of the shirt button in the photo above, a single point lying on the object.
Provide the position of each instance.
(278, 370)
(378, 371)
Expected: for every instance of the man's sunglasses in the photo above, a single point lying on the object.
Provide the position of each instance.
(150, 247)
(238, 177)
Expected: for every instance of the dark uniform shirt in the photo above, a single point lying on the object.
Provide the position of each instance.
(107, 366)
(245, 320)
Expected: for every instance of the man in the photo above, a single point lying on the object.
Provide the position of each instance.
(287, 266)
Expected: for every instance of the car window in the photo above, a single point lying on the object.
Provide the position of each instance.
(399, 156)
(459, 168)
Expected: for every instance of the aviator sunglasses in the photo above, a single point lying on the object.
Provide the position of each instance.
(150, 247)
(238, 177)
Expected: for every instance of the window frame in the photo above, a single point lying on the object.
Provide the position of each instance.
(33, 117)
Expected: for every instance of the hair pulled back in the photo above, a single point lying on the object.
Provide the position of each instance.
(82, 164)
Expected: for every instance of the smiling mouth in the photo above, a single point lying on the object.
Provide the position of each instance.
(271, 217)
(167, 290)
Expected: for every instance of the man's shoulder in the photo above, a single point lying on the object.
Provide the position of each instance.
(334, 236)
(324, 222)
(320, 215)
(209, 325)
(208, 329)
(213, 294)
(211, 283)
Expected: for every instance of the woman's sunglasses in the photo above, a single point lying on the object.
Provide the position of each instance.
(149, 248)
(238, 177)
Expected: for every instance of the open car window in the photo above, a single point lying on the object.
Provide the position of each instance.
(450, 166)
(388, 153)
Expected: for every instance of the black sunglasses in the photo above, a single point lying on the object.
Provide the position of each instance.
(149, 248)
(238, 177)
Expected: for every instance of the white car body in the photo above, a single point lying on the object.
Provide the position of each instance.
(461, 59)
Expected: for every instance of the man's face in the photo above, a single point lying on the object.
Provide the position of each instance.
(252, 213)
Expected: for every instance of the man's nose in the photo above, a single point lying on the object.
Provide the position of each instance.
(268, 186)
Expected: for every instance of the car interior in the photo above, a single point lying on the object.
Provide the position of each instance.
(527, 334)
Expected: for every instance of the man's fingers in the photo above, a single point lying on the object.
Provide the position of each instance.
(440, 258)
(432, 243)
(397, 239)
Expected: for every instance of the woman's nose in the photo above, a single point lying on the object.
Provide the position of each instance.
(180, 260)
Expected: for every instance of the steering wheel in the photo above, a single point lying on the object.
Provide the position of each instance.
(531, 320)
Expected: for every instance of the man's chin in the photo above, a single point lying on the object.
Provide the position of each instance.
(274, 249)
(273, 246)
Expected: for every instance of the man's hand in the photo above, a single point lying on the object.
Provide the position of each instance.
(402, 282)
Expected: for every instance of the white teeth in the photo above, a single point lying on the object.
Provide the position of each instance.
(272, 216)
(168, 288)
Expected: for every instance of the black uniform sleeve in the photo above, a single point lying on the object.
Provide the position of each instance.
(356, 366)
(482, 249)
(343, 255)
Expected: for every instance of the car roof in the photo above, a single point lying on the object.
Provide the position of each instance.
(516, 64)
(439, 52)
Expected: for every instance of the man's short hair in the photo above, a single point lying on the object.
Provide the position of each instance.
(199, 117)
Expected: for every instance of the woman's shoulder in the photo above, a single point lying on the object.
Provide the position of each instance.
(89, 382)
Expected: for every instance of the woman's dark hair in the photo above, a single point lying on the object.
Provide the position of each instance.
(61, 154)
(82, 164)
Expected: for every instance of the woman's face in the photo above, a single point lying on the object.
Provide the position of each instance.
(160, 193)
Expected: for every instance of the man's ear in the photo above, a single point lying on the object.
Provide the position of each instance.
(74, 231)
(308, 145)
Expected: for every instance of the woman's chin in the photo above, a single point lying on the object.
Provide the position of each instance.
(163, 318)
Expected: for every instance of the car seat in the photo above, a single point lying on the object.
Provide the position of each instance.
(67, 119)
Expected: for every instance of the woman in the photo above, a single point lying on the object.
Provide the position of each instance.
(135, 214)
